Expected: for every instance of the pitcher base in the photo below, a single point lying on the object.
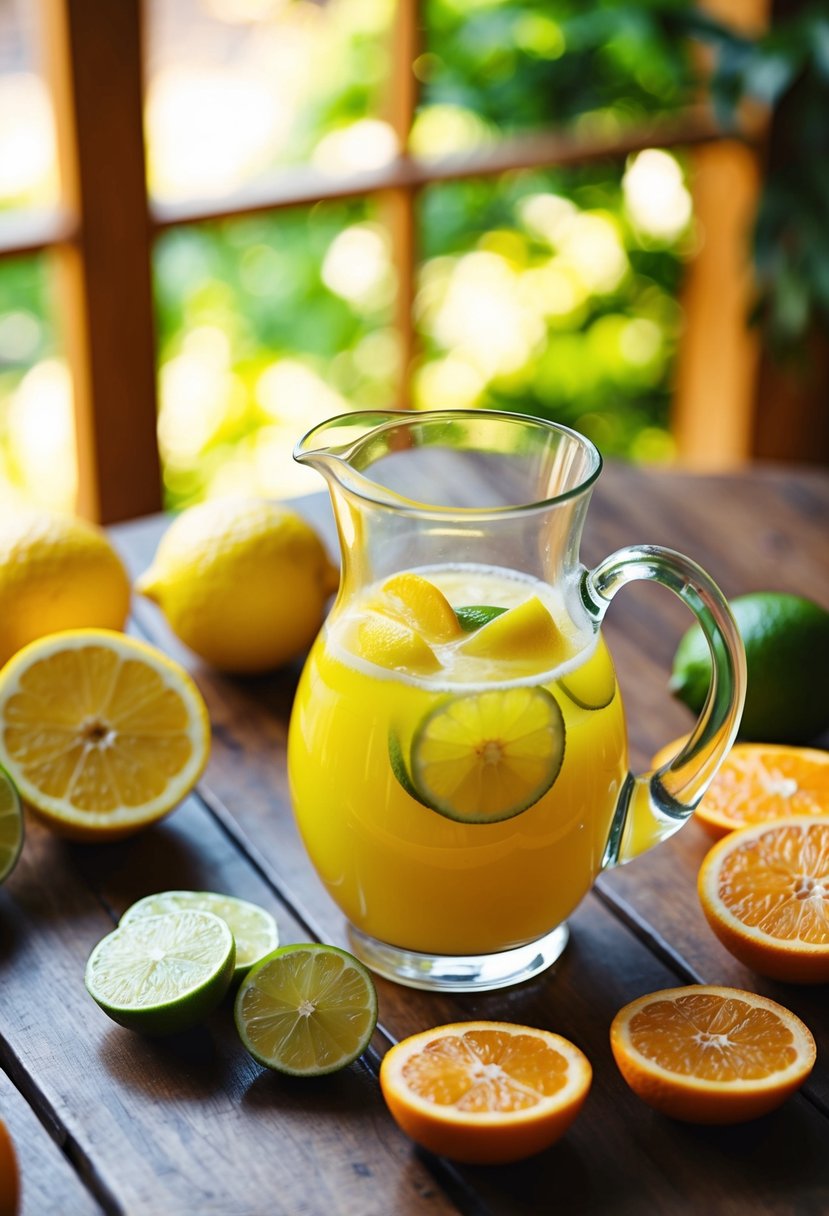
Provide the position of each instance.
(459, 972)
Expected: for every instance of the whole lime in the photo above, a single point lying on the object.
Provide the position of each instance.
(786, 638)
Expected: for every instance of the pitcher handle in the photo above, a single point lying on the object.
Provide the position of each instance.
(653, 806)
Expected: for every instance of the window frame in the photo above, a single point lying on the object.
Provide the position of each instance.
(101, 237)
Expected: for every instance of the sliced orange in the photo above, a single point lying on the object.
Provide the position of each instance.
(765, 893)
(706, 1054)
(9, 1175)
(485, 1093)
(101, 734)
(759, 782)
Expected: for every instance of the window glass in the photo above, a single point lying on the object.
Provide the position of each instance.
(267, 326)
(236, 88)
(28, 167)
(37, 444)
(555, 292)
(494, 67)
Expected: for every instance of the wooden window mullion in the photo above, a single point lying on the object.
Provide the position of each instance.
(104, 274)
(397, 204)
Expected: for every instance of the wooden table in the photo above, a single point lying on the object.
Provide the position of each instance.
(107, 1121)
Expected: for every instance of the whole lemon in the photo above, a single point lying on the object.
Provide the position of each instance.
(242, 582)
(56, 573)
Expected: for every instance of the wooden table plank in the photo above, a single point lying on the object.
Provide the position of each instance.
(48, 1181)
(188, 1124)
(644, 1160)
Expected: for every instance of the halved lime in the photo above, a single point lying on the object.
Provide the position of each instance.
(254, 930)
(162, 974)
(487, 756)
(593, 685)
(306, 1010)
(11, 825)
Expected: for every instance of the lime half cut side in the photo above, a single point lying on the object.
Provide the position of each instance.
(484, 757)
(254, 930)
(162, 974)
(11, 825)
(306, 1010)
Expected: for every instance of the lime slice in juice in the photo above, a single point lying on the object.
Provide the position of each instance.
(11, 825)
(593, 685)
(306, 1010)
(487, 756)
(162, 974)
(254, 930)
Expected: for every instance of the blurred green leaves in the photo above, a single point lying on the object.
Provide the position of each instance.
(787, 70)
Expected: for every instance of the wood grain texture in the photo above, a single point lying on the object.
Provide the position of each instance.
(191, 1125)
(188, 1124)
(48, 1181)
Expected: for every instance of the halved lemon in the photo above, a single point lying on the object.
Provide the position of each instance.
(102, 734)
(11, 825)
(485, 1092)
(487, 756)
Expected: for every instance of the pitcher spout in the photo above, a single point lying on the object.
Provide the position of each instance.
(331, 444)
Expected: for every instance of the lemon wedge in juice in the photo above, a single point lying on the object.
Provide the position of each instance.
(382, 640)
(524, 633)
(420, 605)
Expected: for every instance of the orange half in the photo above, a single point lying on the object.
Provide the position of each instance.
(759, 782)
(707, 1054)
(765, 893)
(9, 1175)
(485, 1092)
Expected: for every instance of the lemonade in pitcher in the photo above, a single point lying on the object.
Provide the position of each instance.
(480, 748)
(457, 749)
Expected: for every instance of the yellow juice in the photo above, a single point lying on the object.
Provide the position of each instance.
(517, 815)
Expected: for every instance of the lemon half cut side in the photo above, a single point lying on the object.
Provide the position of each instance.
(101, 734)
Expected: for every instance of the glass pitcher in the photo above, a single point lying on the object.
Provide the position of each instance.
(457, 750)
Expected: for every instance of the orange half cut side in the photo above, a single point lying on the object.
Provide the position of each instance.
(709, 1054)
(485, 1092)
